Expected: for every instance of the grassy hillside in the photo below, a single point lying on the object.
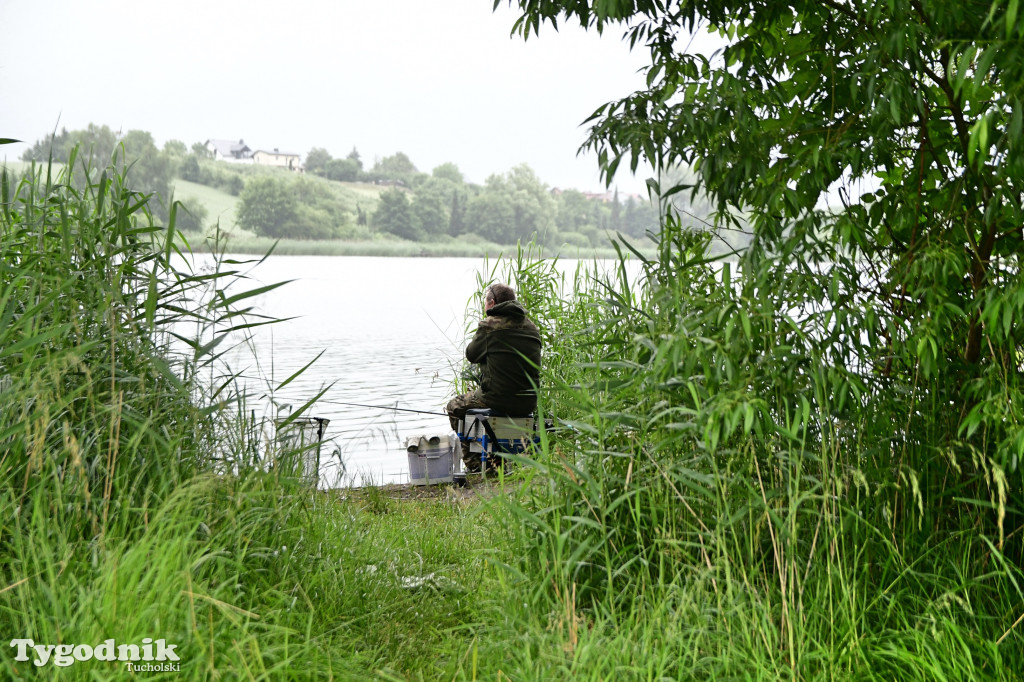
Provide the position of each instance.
(349, 193)
(222, 182)
(221, 207)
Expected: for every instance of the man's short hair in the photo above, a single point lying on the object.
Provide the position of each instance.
(499, 293)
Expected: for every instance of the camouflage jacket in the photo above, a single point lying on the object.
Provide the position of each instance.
(507, 345)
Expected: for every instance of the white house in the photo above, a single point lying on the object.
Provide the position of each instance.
(263, 157)
(229, 150)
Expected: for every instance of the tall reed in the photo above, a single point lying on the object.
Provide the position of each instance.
(740, 476)
(116, 433)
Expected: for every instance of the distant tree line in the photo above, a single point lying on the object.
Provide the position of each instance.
(508, 207)
(414, 205)
(152, 170)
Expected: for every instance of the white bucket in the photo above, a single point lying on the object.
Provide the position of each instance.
(430, 459)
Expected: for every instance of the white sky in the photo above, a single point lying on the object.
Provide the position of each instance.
(440, 80)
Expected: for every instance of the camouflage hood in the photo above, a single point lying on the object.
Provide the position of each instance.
(508, 346)
(513, 309)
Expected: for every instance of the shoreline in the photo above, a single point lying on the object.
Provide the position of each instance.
(380, 248)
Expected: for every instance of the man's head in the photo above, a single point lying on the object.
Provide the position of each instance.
(498, 293)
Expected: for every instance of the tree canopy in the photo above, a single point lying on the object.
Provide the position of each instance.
(882, 134)
(316, 160)
(397, 168)
(394, 215)
(268, 207)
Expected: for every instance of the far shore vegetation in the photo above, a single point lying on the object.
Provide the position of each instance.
(394, 248)
(336, 207)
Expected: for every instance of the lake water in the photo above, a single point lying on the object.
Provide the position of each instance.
(392, 332)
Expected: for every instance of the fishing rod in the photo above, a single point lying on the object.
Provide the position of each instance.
(384, 407)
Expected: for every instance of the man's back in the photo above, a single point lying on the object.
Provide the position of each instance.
(508, 346)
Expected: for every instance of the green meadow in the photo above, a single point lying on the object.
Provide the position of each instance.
(221, 207)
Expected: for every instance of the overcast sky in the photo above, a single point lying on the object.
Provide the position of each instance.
(440, 80)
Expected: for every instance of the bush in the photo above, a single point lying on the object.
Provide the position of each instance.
(268, 207)
(191, 215)
(394, 215)
(341, 170)
(190, 169)
(234, 185)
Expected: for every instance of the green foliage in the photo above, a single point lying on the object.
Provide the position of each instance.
(192, 216)
(95, 147)
(341, 170)
(432, 205)
(268, 207)
(394, 215)
(397, 169)
(814, 453)
(490, 214)
(316, 160)
(369, 244)
(301, 208)
(321, 215)
(919, 105)
(175, 149)
(82, 291)
(576, 239)
(212, 174)
(201, 151)
(714, 453)
(355, 157)
(235, 185)
(518, 206)
(457, 213)
(135, 502)
(100, 394)
(190, 168)
(148, 169)
(513, 207)
(532, 203)
(320, 162)
(575, 211)
(448, 171)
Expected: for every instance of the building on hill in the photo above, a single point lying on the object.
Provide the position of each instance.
(239, 152)
(229, 150)
(277, 158)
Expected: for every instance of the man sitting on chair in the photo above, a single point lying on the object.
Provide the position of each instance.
(507, 347)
